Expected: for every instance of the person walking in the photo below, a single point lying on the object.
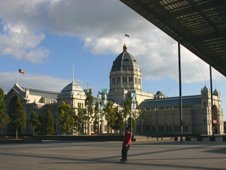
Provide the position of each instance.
(127, 141)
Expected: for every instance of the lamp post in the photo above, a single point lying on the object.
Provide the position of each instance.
(100, 117)
(102, 95)
(133, 110)
(99, 110)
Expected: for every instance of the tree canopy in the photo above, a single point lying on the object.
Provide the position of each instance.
(113, 116)
(34, 120)
(80, 119)
(17, 115)
(127, 107)
(66, 118)
(49, 122)
(4, 118)
(89, 107)
(96, 118)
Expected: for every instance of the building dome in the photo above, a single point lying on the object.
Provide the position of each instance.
(125, 76)
(125, 61)
(159, 95)
(72, 87)
(72, 91)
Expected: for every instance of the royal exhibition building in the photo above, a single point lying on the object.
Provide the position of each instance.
(153, 113)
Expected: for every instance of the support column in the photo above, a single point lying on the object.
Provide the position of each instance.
(180, 93)
(211, 94)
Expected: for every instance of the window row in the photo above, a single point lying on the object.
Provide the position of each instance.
(166, 108)
(168, 128)
(125, 80)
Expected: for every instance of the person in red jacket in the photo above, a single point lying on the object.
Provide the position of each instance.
(127, 140)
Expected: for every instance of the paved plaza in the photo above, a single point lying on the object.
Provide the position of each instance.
(106, 155)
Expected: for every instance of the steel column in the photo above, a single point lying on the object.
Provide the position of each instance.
(211, 94)
(180, 93)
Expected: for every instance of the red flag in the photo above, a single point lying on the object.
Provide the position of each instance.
(21, 71)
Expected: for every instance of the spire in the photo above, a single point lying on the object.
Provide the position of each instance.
(73, 74)
(216, 92)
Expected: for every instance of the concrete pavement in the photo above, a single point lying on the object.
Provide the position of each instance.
(106, 155)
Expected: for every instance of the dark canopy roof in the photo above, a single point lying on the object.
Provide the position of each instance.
(199, 25)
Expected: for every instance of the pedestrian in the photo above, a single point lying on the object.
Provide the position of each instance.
(127, 140)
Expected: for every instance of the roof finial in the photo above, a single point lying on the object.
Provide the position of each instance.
(124, 47)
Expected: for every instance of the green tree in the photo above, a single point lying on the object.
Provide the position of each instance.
(4, 117)
(118, 120)
(113, 116)
(35, 121)
(96, 118)
(109, 114)
(89, 107)
(50, 130)
(18, 115)
(79, 120)
(66, 118)
(127, 108)
(41, 130)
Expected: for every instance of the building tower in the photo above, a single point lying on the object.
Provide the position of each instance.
(125, 78)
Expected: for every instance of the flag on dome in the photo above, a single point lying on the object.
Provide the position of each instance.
(21, 71)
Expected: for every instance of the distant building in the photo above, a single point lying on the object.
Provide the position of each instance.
(41, 100)
(29, 95)
(162, 112)
(32, 100)
(162, 115)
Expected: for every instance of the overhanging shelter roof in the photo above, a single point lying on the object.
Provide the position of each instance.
(199, 25)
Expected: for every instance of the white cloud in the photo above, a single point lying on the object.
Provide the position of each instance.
(101, 25)
(18, 41)
(44, 82)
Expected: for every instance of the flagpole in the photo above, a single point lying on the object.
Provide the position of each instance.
(125, 38)
(73, 73)
(17, 78)
(20, 71)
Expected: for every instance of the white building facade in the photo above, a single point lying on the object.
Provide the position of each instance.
(162, 115)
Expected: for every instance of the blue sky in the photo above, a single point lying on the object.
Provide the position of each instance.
(48, 37)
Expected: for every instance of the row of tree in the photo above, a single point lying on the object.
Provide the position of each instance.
(17, 117)
(66, 120)
(116, 119)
